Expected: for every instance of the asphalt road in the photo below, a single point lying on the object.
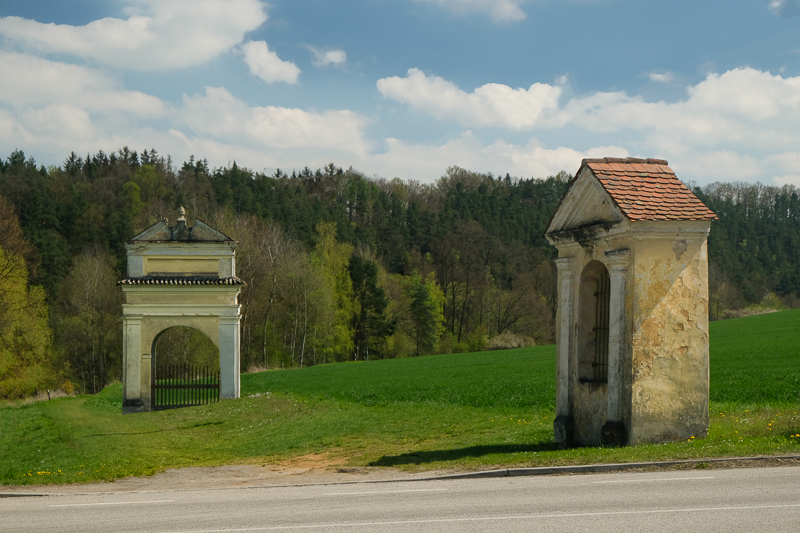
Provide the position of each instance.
(751, 500)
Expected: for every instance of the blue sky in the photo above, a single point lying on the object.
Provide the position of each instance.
(406, 88)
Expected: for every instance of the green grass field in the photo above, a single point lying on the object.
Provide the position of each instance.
(450, 411)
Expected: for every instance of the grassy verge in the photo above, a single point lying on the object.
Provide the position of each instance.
(451, 411)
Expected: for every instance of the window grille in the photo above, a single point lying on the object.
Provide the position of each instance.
(602, 302)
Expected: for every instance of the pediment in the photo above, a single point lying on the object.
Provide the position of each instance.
(159, 231)
(586, 203)
(198, 232)
(203, 232)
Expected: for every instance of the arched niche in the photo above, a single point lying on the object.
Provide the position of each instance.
(593, 321)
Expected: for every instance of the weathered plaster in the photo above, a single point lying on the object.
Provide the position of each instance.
(657, 389)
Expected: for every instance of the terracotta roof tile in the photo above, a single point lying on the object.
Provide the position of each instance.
(647, 189)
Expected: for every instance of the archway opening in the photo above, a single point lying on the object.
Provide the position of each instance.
(593, 319)
(182, 345)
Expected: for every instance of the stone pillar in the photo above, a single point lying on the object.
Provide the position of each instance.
(613, 431)
(131, 364)
(563, 424)
(146, 381)
(229, 356)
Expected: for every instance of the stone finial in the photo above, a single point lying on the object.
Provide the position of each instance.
(182, 212)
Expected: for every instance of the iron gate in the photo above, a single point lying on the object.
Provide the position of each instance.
(183, 385)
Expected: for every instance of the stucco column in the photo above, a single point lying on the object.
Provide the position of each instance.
(563, 423)
(131, 364)
(229, 356)
(613, 431)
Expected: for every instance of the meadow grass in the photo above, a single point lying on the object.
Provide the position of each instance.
(463, 411)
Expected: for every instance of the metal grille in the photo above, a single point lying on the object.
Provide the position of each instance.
(183, 385)
(602, 299)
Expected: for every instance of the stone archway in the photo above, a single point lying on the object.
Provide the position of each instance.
(179, 276)
(184, 345)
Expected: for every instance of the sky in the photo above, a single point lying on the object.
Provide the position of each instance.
(408, 88)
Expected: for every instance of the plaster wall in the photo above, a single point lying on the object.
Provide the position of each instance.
(211, 259)
(203, 295)
(664, 364)
(669, 369)
(179, 265)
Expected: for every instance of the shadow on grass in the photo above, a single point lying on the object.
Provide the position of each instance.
(192, 426)
(432, 456)
(124, 434)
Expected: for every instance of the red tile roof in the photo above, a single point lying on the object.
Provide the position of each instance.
(647, 189)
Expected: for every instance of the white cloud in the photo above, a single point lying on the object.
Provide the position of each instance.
(428, 162)
(788, 179)
(49, 109)
(661, 77)
(218, 114)
(266, 64)
(324, 58)
(499, 10)
(743, 108)
(39, 82)
(158, 34)
(727, 127)
(785, 8)
(492, 104)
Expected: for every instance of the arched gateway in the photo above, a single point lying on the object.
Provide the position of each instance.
(178, 276)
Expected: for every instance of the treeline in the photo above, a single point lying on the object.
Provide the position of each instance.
(338, 266)
(754, 248)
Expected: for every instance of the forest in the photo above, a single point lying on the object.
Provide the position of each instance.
(339, 266)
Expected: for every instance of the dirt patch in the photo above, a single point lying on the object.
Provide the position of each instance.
(307, 469)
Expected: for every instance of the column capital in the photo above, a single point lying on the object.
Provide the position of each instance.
(564, 263)
(132, 320)
(617, 260)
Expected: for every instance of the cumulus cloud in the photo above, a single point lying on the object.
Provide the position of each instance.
(40, 82)
(785, 8)
(742, 107)
(50, 108)
(492, 104)
(324, 58)
(219, 114)
(499, 10)
(266, 64)
(157, 35)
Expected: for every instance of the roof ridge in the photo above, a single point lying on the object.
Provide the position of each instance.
(626, 160)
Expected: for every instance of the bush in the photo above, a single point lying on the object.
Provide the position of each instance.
(509, 339)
